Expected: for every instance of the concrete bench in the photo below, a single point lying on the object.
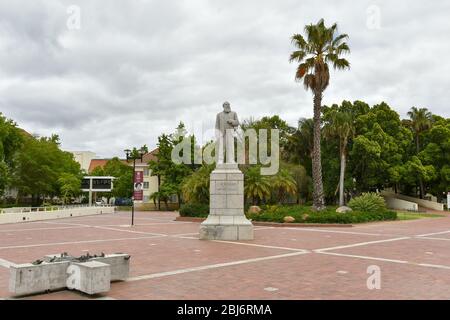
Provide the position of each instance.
(91, 277)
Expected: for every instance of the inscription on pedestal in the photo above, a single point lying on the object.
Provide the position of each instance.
(226, 186)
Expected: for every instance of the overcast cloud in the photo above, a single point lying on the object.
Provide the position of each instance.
(136, 68)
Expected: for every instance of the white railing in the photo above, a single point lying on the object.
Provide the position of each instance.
(50, 208)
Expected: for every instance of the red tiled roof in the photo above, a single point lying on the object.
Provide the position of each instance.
(152, 155)
(95, 163)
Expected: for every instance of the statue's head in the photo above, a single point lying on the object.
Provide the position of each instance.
(226, 107)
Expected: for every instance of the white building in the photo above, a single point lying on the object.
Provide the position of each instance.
(83, 158)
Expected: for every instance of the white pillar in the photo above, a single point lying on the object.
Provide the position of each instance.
(448, 201)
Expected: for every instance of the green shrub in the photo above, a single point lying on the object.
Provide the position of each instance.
(368, 202)
(194, 210)
(304, 214)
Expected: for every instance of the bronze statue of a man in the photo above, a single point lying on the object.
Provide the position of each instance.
(226, 123)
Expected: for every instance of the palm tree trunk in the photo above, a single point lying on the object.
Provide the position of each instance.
(159, 189)
(318, 197)
(417, 143)
(341, 180)
(421, 187)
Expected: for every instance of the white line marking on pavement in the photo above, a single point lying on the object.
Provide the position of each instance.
(432, 234)
(131, 231)
(387, 260)
(360, 257)
(69, 224)
(74, 242)
(431, 238)
(114, 229)
(211, 266)
(147, 224)
(360, 244)
(39, 229)
(142, 218)
(262, 246)
(5, 263)
(336, 231)
(342, 272)
(438, 266)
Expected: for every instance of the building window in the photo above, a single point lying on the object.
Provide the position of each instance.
(146, 172)
(146, 185)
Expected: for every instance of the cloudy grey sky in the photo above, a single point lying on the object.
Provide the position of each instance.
(136, 68)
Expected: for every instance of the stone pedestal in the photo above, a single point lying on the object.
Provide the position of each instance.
(95, 277)
(226, 219)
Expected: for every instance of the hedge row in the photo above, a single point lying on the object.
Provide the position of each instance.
(194, 210)
(302, 214)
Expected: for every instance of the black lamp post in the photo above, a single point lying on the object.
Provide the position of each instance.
(134, 155)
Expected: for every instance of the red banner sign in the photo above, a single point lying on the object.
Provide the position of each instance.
(138, 193)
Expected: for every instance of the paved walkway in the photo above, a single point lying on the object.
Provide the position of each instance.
(169, 262)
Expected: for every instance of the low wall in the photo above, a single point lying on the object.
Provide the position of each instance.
(56, 214)
(398, 204)
(420, 202)
(15, 209)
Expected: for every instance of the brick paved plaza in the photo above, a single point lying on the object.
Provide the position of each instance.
(169, 262)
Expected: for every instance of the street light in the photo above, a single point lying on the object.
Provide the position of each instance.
(134, 155)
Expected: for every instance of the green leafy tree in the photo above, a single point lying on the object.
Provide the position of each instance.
(11, 139)
(170, 174)
(340, 124)
(322, 46)
(381, 143)
(122, 186)
(436, 152)
(300, 144)
(69, 185)
(269, 123)
(40, 163)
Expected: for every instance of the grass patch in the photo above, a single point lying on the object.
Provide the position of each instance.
(415, 216)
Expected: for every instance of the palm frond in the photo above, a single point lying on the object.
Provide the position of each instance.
(297, 56)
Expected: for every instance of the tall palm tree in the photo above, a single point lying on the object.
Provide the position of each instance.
(322, 46)
(421, 120)
(341, 125)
